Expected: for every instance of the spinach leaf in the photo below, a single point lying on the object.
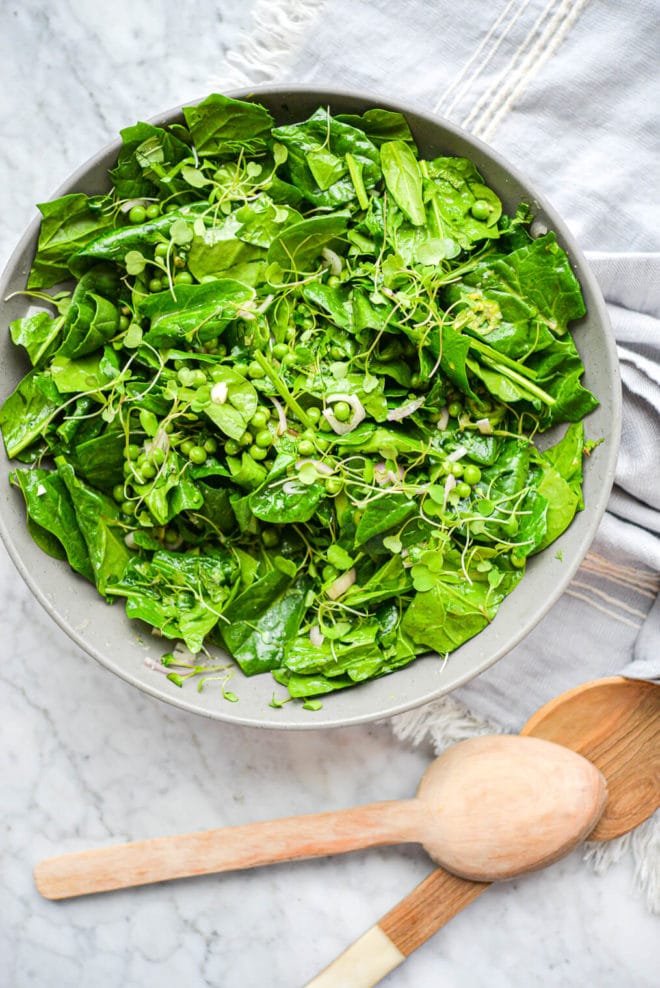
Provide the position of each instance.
(38, 333)
(222, 126)
(404, 180)
(97, 517)
(147, 157)
(296, 250)
(383, 514)
(28, 411)
(194, 312)
(287, 504)
(182, 595)
(316, 161)
(379, 125)
(260, 640)
(68, 224)
(50, 510)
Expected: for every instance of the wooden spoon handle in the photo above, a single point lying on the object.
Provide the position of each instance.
(415, 919)
(227, 849)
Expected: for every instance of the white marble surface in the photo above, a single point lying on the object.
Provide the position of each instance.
(89, 760)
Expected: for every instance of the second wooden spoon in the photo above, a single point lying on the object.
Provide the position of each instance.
(614, 722)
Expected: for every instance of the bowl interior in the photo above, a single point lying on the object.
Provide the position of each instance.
(104, 631)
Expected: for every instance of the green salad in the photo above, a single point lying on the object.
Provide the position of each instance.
(285, 393)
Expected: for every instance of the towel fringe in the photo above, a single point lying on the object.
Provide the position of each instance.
(264, 48)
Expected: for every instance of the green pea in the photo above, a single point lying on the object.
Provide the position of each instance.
(336, 352)
(260, 418)
(457, 469)
(463, 489)
(480, 209)
(128, 508)
(133, 451)
(280, 350)
(158, 456)
(333, 485)
(263, 439)
(333, 281)
(256, 371)
(242, 369)
(155, 285)
(270, 537)
(329, 573)
(118, 492)
(245, 439)
(342, 411)
(289, 359)
(210, 445)
(148, 470)
(197, 455)
(232, 447)
(306, 447)
(314, 414)
(186, 446)
(471, 474)
(324, 425)
(455, 409)
(124, 322)
(161, 249)
(197, 378)
(258, 452)
(179, 262)
(183, 278)
(152, 211)
(137, 214)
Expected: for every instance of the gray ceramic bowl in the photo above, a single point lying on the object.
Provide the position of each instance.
(122, 645)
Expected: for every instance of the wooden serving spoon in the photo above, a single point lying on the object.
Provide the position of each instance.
(490, 807)
(613, 722)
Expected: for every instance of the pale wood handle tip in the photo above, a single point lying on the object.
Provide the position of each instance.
(363, 964)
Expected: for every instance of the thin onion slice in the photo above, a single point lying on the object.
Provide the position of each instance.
(333, 260)
(485, 427)
(443, 421)
(359, 414)
(450, 483)
(316, 636)
(403, 411)
(282, 424)
(341, 584)
(457, 455)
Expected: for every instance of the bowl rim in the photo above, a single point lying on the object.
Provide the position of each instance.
(598, 503)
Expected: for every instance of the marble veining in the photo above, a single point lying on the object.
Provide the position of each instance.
(87, 759)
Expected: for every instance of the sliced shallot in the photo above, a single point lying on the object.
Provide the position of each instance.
(341, 584)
